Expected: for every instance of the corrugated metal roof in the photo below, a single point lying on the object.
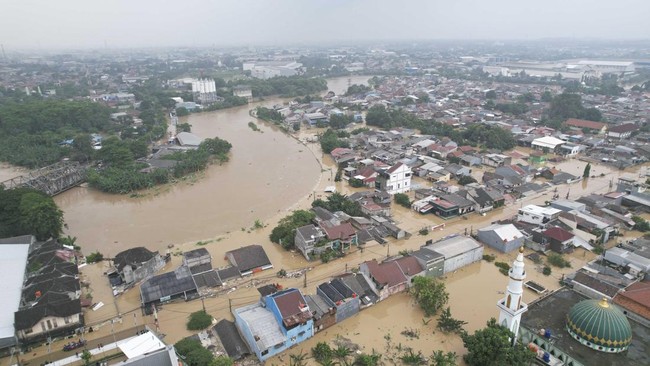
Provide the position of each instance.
(452, 247)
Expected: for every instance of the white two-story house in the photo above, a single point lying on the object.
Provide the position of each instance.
(396, 179)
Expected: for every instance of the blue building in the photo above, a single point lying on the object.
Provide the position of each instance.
(277, 322)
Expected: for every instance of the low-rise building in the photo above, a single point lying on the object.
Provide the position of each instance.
(249, 259)
(137, 263)
(278, 322)
(504, 238)
(338, 295)
(396, 179)
(537, 215)
(458, 251)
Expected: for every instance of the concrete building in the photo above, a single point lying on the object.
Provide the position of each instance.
(547, 143)
(338, 295)
(504, 238)
(458, 251)
(137, 263)
(278, 322)
(308, 239)
(432, 261)
(537, 215)
(396, 179)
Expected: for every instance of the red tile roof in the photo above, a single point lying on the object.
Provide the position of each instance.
(409, 265)
(583, 123)
(558, 234)
(394, 168)
(627, 127)
(387, 273)
(636, 298)
(343, 231)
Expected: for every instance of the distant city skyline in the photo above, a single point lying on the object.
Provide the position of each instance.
(33, 24)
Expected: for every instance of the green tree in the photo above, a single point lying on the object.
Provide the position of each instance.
(448, 324)
(330, 141)
(285, 232)
(322, 352)
(378, 116)
(339, 202)
(182, 111)
(199, 320)
(585, 173)
(491, 346)
(222, 361)
(86, 356)
(402, 199)
(640, 224)
(491, 94)
(430, 294)
(339, 121)
(40, 216)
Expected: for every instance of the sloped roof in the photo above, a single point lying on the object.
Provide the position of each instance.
(387, 273)
(132, 256)
(558, 234)
(232, 342)
(249, 257)
(626, 127)
(342, 231)
(583, 123)
(409, 265)
(167, 284)
(506, 232)
(58, 305)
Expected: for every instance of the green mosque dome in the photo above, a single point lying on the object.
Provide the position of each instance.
(600, 326)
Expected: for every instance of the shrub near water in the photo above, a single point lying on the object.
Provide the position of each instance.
(199, 320)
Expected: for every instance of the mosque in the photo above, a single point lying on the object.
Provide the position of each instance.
(566, 328)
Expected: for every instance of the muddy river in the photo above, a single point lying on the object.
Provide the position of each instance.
(268, 172)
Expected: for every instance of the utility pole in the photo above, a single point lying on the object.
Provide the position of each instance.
(305, 280)
(346, 268)
(230, 304)
(203, 303)
(387, 250)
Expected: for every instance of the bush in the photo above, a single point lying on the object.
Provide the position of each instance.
(424, 231)
(546, 271)
(557, 260)
(640, 224)
(94, 257)
(403, 200)
(199, 320)
(489, 258)
(322, 352)
(503, 267)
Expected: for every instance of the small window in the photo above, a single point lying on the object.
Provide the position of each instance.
(43, 326)
(265, 352)
(301, 333)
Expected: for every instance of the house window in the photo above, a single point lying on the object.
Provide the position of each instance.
(54, 322)
(43, 326)
(67, 320)
(293, 339)
(265, 352)
(49, 324)
(28, 331)
(301, 333)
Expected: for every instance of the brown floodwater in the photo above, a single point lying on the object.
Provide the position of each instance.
(268, 172)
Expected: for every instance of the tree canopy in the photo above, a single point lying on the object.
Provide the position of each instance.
(569, 105)
(330, 141)
(285, 232)
(339, 202)
(491, 346)
(430, 294)
(25, 211)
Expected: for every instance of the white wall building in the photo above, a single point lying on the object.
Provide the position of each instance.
(537, 215)
(458, 251)
(396, 179)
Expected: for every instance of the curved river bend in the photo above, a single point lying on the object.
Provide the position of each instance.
(268, 172)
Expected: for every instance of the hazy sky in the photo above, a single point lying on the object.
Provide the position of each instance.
(134, 23)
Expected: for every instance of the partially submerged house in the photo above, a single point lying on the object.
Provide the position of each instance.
(386, 278)
(136, 264)
(504, 238)
(278, 322)
(249, 259)
(168, 286)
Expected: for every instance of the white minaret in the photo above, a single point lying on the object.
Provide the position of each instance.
(511, 306)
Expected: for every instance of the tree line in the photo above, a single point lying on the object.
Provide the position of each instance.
(488, 136)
